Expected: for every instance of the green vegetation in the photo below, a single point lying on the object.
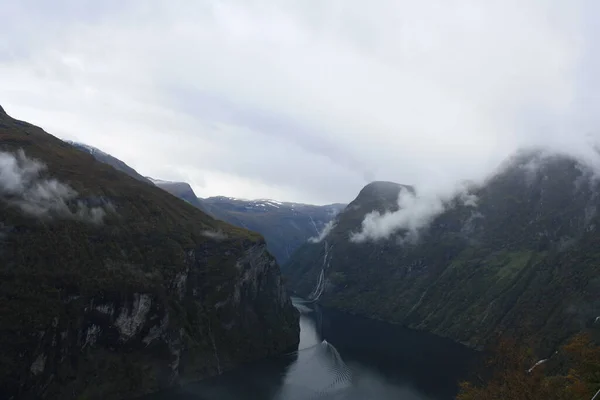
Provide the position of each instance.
(573, 373)
(509, 264)
(524, 259)
(150, 258)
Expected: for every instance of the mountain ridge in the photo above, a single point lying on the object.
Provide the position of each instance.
(108, 159)
(285, 225)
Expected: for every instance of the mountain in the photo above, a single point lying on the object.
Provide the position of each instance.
(110, 160)
(111, 288)
(179, 189)
(285, 226)
(518, 255)
(182, 190)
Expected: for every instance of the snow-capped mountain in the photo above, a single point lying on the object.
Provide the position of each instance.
(285, 225)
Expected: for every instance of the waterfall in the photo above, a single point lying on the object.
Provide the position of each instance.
(320, 288)
(216, 353)
(315, 225)
(537, 364)
(317, 290)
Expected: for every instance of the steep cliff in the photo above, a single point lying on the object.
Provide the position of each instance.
(521, 257)
(110, 287)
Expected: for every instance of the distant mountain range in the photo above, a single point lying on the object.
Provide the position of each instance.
(284, 225)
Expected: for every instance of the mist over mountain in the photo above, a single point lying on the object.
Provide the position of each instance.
(432, 165)
(515, 254)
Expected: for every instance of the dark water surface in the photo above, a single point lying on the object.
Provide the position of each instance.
(344, 357)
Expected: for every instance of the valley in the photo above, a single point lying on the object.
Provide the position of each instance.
(147, 287)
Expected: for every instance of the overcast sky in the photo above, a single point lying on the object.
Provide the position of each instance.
(304, 100)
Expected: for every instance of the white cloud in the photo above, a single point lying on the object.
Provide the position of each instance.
(305, 100)
(415, 212)
(22, 185)
(324, 232)
(215, 235)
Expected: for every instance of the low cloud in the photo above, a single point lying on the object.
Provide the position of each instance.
(23, 185)
(215, 235)
(324, 233)
(416, 210)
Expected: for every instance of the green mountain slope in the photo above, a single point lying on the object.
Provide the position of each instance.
(523, 260)
(110, 287)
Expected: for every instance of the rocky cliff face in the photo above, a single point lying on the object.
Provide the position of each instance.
(112, 288)
(117, 344)
(520, 258)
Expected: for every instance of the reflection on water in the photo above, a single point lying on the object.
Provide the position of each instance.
(344, 357)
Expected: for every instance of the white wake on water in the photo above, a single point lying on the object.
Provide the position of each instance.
(318, 373)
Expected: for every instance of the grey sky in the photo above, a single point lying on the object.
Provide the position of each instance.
(304, 100)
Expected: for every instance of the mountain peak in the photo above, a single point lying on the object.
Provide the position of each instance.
(383, 186)
(382, 191)
(2, 110)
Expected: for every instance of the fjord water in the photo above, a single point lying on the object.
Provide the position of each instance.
(347, 358)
